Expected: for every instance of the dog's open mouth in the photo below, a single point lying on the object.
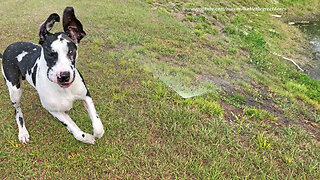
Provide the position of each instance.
(64, 85)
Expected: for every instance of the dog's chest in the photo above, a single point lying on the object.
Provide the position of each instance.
(54, 98)
(58, 102)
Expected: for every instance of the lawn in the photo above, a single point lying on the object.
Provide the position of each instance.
(182, 94)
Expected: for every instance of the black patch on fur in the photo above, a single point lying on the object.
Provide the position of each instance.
(21, 121)
(18, 85)
(34, 73)
(64, 124)
(83, 135)
(61, 122)
(70, 132)
(88, 93)
(50, 56)
(13, 69)
(72, 52)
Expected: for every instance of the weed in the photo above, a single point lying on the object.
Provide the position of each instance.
(259, 114)
(263, 142)
(211, 108)
(240, 120)
(230, 30)
(192, 5)
(233, 50)
(203, 27)
(237, 100)
(150, 1)
(195, 18)
(289, 160)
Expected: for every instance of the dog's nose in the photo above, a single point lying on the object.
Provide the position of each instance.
(64, 77)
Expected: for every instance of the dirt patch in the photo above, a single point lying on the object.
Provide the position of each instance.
(264, 101)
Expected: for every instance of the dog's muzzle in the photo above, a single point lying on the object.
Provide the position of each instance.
(63, 79)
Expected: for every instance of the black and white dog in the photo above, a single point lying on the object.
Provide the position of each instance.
(50, 69)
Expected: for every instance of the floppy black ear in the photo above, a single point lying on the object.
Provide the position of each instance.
(72, 26)
(47, 26)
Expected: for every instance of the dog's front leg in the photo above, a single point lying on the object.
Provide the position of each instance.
(98, 130)
(73, 128)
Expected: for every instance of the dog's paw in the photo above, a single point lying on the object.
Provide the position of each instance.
(87, 138)
(24, 136)
(98, 132)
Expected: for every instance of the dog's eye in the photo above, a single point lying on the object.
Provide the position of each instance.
(54, 54)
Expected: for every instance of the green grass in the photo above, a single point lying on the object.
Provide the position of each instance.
(256, 118)
(258, 114)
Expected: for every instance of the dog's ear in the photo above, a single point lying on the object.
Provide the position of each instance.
(47, 26)
(72, 26)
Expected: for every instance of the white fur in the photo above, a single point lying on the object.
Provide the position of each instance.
(20, 56)
(29, 76)
(15, 97)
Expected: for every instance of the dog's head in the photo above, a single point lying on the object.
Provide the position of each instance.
(60, 49)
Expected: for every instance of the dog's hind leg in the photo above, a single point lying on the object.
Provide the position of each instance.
(15, 96)
(73, 128)
(13, 81)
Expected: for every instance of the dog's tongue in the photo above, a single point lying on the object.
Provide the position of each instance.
(65, 85)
